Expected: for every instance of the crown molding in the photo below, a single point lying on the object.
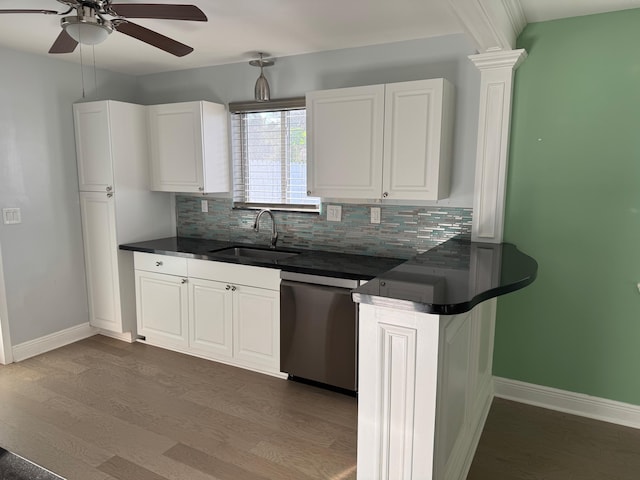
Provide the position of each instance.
(491, 25)
(500, 59)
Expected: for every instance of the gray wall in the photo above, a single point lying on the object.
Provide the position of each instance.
(395, 62)
(43, 256)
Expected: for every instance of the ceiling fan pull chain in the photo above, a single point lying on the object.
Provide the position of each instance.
(95, 74)
(81, 70)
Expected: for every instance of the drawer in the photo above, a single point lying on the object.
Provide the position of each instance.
(167, 264)
(259, 277)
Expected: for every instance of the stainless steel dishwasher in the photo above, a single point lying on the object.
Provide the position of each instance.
(318, 330)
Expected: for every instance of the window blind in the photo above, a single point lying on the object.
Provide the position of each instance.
(270, 159)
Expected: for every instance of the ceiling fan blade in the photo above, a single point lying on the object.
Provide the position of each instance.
(153, 38)
(63, 44)
(46, 12)
(161, 11)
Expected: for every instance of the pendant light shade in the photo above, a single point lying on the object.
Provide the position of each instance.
(262, 92)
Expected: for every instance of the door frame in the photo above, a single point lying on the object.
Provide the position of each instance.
(6, 353)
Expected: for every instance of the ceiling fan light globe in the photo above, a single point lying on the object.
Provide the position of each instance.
(87, 30)
(262, 92)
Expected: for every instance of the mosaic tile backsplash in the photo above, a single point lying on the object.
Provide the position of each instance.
(402, 232)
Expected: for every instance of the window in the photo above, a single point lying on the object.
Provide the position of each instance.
(269, 151)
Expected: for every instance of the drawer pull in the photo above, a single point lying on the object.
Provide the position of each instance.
(158, 264)
(228, 287)
(183, 281)
(233, 289)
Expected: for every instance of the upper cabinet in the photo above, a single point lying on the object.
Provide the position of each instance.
(188, 146)
(93, 146)
(383, 141)
(344, 142)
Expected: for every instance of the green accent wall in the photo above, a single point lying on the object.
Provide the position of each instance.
(573, 203)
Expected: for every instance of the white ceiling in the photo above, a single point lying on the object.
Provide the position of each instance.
(238, 28)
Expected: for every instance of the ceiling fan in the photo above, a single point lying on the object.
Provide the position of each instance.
(95, 20)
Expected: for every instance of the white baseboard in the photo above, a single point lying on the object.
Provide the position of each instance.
(125, 337)
(568, 402)
(50, 342)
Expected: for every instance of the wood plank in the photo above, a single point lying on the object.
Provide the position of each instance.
(525, 442)
(211, 465)
(122, 469)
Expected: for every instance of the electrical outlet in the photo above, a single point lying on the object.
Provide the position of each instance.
(204, 205)
(11, 216)
(334, 213)
(375, 214)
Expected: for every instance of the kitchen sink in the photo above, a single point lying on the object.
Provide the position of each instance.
(252, 253)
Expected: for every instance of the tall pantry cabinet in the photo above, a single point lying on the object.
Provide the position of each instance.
(116, 206)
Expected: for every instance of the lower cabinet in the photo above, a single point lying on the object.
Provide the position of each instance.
(211, 319)
(224, 312)
(162, 308)
(256, 327)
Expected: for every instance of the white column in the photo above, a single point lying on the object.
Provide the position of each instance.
(398, 371)
(496, 83)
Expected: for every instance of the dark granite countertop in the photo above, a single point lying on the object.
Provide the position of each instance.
(448, 279)
(314, 262)
(451, 278)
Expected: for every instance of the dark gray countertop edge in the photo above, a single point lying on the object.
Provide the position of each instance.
(437, 309)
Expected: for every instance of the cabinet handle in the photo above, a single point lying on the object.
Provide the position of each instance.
(385, 195)
(233, 289)
(109, 195)
(201, 189)
(183, 281)
(109, 188)
(228, 287)
(308, 192)
(158, 264)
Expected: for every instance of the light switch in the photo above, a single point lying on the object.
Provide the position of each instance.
(334, 213)
(11, 216)
(375, 214)
(204, 206)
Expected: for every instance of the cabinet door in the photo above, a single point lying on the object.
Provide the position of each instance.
(93, 146)
(175, 142)
(344, 142)
(256, 321)
(162, 309)
(101, 260)
(210, 318)
(416, 140)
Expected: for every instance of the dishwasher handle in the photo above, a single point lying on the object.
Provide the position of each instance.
(320, 280)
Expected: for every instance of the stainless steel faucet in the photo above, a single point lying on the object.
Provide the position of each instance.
(274, 232)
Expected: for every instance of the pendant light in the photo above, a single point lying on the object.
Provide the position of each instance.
(262, 92)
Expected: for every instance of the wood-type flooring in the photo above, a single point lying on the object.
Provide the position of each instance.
(101, 409)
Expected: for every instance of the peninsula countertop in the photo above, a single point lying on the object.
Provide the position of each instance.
(448, 279)
(451, 278)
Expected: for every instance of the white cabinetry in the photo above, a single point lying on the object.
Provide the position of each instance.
(162, 299)
(99, 235)
(344, 142)
(93, 146)
(235, 314)
(424, 392)
(211, 319)
(224, 312)
(383, 141)
(188, 143)
(116, 206)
